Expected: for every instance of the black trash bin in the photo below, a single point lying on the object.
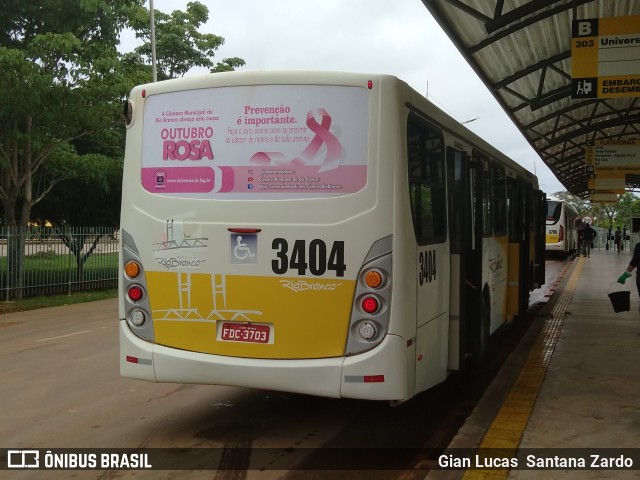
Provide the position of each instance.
(620, 297)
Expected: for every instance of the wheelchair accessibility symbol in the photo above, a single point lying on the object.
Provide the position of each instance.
(244, 248)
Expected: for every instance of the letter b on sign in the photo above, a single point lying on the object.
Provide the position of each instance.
(585, 28)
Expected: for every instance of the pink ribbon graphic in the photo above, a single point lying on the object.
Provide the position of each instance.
(334, 155)
(265, 158)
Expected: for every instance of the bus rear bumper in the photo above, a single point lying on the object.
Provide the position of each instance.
(375, 375)
(379, 374)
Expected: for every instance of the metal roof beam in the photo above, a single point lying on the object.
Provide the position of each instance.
(572, 123)
(535, 92)
(551, 97)
(465, 8)
(526, 101)
(525, 23)
(563, 111)
(550, 135)
(531, 69)
(503, 19)
(593, 133)
(614, 122)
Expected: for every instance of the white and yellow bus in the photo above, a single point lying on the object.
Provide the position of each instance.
(561, 227)
(323, 233)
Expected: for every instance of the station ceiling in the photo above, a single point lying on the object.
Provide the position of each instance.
(521, 49)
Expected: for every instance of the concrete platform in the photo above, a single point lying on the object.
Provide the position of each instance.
(571, 390)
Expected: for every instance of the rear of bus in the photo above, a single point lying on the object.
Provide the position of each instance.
(256, 250)
(557, 233)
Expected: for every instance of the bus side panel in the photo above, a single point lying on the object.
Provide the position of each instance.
(495, 267)
(513, 289)
(387, 363)
(432, 355)
(456, 326)
(540, 212)
(136, 355)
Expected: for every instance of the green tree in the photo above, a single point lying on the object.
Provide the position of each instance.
(62, 86)
(180, 45)
(96, 196)
(628, 206)
(605, 215)
(92, 199)
(60, 76)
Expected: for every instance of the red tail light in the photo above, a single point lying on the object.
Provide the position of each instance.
(561, 233)
(135, 293)
(370, 304)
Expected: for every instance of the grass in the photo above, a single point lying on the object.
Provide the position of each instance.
(55, 300)
(48, 267)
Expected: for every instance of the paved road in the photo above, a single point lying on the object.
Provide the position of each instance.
(61, 388)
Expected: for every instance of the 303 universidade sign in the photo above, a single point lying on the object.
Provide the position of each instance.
(605, 56)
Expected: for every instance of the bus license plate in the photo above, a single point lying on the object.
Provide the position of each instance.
(244, 332)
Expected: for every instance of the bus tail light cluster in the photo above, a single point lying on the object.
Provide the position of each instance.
(132, 272)
(134, 290)
(561, 234)
(370, 311)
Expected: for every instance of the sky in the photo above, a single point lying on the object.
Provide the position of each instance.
(396, 37)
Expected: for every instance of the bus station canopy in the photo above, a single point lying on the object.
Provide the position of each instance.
(522, 51)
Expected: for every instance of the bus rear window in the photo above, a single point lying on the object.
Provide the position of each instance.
(553, 211)
(258, 142)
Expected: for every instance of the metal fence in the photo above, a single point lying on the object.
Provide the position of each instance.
(48, 260)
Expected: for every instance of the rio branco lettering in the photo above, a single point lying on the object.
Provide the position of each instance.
(304, 286)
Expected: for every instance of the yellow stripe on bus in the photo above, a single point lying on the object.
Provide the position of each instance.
(309, 317)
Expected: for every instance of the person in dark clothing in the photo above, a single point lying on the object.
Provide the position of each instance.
(635, 260)
(617, 239)
(579, 226)
(588, 235)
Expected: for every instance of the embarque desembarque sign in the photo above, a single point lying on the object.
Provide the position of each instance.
(605, 56)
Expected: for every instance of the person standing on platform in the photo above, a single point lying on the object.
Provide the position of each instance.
(579, 226)
(635, 260)
(588, 235)
(617, 239)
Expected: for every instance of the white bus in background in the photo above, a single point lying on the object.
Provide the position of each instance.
(323, 233)
(561, 225)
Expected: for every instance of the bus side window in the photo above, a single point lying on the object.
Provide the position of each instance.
(487, 205)
(514, 215)
(498, 179)
(426, 181)
(458, 191)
